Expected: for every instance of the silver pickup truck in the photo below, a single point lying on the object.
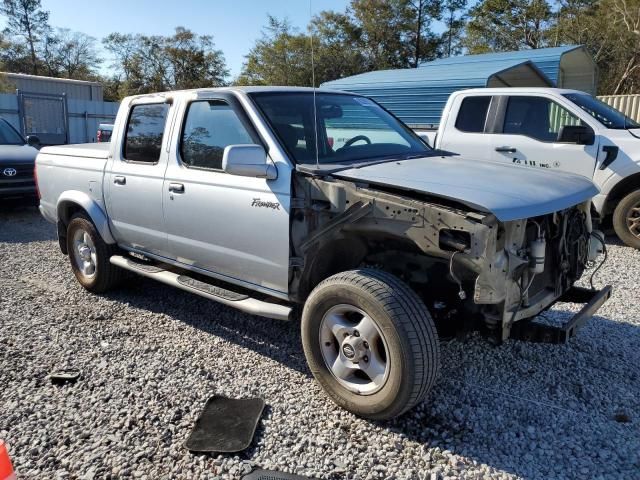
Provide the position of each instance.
(288, 202)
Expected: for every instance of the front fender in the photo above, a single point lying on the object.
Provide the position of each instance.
(71, 198)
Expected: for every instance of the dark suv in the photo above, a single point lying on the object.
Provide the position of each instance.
(17, 161)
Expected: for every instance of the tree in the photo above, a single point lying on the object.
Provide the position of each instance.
(69, 54)
(453, 16)
(26, 19)
(282, 56)
(145, 64)
(336, 46)
(423, 43)
(503, 25)
(384, 28)
(193, 60)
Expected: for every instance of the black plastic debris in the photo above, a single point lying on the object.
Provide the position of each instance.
(273, 475)
(226, 425)
(60, 377)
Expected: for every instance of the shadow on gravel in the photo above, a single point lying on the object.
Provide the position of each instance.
(20, 223)
(275, 339)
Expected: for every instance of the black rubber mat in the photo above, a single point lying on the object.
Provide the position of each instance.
(60, 377)
(225, 425)
(272, 475)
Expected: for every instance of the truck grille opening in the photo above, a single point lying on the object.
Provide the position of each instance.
(567, 250)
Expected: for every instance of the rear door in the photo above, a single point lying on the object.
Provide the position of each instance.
(136, 177)
(465, 132)
(526, 133)
(234, 227)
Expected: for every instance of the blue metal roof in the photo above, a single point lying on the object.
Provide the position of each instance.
(546, 59)
(418, 95)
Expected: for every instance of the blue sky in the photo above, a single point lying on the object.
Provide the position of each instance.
(235, 24)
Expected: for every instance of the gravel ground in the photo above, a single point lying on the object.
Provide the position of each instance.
(151, 355)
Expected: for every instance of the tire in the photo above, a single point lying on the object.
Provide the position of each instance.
(628, 230)
(103, 276)
(364, 299)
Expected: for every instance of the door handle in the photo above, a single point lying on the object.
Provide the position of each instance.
(120, 180)
(505, 149)
(176, 187)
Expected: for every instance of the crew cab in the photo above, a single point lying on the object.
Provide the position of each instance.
(277, 201)
(17, 162)
(552, 129)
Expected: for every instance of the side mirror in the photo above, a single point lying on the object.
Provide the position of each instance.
(425, 138)
(578, 134)
(248, 161)
(33, 141)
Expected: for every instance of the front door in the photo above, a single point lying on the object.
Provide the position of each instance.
(235, 227)
(528, 136)
(135, 180)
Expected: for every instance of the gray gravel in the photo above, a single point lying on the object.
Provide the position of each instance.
(150, 356)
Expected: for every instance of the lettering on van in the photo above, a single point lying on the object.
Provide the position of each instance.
(263, 203)
(533, 163)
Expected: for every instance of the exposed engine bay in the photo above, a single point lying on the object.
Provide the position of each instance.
(472, 271)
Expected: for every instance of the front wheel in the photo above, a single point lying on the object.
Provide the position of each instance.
(89, 256)
(626, 219)
(370, 342)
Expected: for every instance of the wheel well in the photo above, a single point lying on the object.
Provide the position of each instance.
(66, 210)
(332, 257)
(389, 253)
(621, 189)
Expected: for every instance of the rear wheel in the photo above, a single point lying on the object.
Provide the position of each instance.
(370, 342)
(89, 256)
(626, 219)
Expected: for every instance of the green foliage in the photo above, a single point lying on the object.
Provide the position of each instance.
(454, 17)
(503, 25)
(282, 56)
(156, 63)
(369, 35)
(26, 19)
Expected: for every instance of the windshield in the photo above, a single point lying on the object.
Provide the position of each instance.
(605, 114)
(8, 135)
(350, 128)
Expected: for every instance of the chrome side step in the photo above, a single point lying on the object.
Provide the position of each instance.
(233, 299)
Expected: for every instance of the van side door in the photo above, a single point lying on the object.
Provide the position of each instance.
(135, 176)
(232, 227)
(528, 133)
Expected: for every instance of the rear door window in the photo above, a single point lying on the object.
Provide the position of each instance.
(472, 115)
(143, 141)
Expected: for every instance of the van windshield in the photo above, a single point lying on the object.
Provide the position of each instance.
(603, 113)
(8, 135)
(349, 128)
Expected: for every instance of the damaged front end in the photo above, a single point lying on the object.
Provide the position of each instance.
(472, 271)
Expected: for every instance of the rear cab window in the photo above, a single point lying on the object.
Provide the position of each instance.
(145, 128)
(472, 115)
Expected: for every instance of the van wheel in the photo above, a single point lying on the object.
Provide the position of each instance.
(370, 342)
(89, 256)
(626, 219)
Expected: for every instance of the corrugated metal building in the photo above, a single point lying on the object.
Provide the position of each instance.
(418, 95)
(56, 110)
(76, 89)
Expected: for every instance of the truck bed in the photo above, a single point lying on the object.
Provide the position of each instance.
(75, 169)
(90, 150)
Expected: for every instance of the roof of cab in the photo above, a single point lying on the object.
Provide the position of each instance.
(244, 89)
